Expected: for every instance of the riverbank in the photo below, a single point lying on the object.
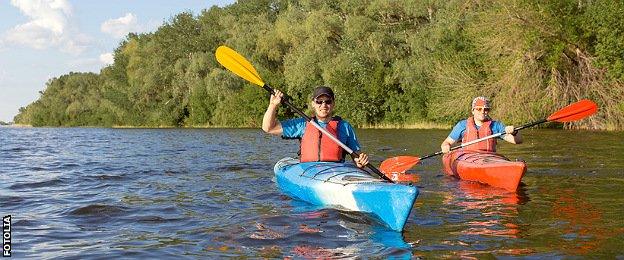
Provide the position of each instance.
(422, 125)
(17, 126)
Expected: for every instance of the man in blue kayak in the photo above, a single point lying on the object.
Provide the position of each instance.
(480, 125)
(314, 145)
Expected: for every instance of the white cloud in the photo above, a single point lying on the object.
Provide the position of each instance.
(121, 26)
(46, 14)
(48, 27)
(107, 58)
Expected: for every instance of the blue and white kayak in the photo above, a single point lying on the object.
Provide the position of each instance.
(346, 187)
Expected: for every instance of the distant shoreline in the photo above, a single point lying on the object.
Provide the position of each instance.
(382, 126)
(420, 126)
(17, 125)
(425, 125)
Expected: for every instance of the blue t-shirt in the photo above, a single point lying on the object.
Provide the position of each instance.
(294, 128)
(458, 131)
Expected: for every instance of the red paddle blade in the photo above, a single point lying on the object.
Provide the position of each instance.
(405, 177)
(398, 164)
(575, 111)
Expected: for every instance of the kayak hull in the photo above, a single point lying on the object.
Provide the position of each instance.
(346, 187)
(487, 168)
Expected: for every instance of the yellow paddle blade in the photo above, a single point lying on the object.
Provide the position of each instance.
(236, 63)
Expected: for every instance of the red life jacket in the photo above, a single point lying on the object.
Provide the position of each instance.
(472, 134)
(316, 147)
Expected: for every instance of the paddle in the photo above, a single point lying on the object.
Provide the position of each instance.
(237, 64)
(572, 112)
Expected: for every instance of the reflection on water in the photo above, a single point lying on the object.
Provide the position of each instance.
(582, 226)
(310, 238)
(483, 197)
(488, 213)
(579, 218)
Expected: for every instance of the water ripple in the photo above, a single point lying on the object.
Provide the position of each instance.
(34, 185)
(98, 210)
(210, 193)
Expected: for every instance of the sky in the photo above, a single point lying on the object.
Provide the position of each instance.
(44, 39)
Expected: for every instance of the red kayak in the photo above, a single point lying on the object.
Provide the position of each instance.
(489, 168)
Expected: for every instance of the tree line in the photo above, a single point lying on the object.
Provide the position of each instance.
(390, 62)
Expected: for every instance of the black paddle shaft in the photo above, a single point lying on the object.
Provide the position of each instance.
(286, 100)
(530, 124)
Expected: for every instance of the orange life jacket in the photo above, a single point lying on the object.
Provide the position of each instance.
(316, 147)
(471, 133)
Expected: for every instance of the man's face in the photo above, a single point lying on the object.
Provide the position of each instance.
(480, 113)
(323, 106)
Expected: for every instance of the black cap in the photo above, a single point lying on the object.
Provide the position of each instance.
(322, 90)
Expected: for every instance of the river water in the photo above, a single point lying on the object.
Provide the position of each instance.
(210, 193)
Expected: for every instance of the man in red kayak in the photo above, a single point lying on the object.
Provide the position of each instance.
(314, 146)
(480, 125)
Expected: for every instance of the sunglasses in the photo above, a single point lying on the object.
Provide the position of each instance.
(327, 101)
(482, 109)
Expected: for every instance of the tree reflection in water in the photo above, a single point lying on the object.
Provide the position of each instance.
(581, 223)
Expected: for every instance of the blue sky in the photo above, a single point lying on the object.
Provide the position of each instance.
(43, 39)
